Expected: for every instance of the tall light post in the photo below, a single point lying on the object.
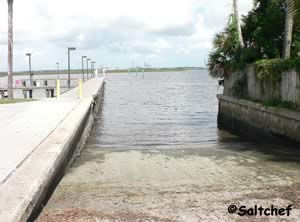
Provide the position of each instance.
(10, 50)
(87, 67)
(57, 65)
(30, 73)
(69, 66)
(93, 69)
(83, 57)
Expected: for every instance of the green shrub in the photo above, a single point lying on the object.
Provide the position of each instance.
(280, 104)
(272, 69)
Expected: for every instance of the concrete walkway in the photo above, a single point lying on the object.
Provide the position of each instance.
(24, 126)
(25, 129)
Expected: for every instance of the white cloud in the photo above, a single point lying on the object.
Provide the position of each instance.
(114, 31)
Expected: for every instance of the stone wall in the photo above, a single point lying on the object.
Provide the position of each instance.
(287, 89)
(256, 120)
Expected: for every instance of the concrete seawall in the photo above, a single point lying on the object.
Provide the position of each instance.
(257, 121)
(286, 88)
(28, 187)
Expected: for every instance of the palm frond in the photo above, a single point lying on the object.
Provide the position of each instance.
(296, 13)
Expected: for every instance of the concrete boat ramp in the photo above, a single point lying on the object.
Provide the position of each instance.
(38, 139)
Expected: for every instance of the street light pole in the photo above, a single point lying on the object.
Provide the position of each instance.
(69, 66)
(57, 64)
(83, 57)
(93, 69)
(10, 50)
(30, 73)
(87, 67)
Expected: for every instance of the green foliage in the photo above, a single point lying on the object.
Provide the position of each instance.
(296, 12)
(296, 32)
(280, 104)
(263, 33)
(263, 30)
(266, 69)
(225, 49)
(271, 69)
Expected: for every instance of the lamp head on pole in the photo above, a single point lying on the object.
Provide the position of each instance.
(28, 54)
(71, 48)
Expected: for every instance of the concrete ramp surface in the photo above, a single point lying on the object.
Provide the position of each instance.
(36, 139)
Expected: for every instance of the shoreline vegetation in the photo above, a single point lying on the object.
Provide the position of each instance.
(268, 38)
(133, 70)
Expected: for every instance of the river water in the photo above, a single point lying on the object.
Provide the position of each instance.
(155, 153)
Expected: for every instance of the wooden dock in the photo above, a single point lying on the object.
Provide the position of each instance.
(28, 91)
(28, 86)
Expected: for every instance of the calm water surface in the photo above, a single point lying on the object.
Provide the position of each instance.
(167, 110)
(157, 109)
(156, 154)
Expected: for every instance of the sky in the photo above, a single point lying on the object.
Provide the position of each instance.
(114, 33)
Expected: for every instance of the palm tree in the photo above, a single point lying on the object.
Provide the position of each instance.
(288, 29)
(254, 3)
(10, 49)
(238, 23)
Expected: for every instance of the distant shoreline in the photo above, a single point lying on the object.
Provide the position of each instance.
(77, 71)
(155, 70)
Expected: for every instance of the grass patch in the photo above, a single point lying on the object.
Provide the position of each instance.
(12, 101)
(280, 104)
